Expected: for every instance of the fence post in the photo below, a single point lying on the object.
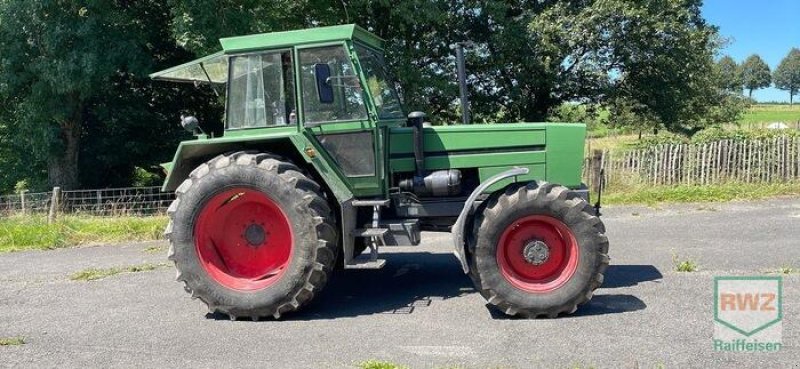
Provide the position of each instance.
(51, 217)
(597, 167)
(22, 201)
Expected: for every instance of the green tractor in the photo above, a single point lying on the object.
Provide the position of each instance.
(320, 167)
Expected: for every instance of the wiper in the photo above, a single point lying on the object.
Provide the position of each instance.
(208, 77)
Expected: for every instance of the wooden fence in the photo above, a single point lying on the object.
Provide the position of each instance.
(771, 160)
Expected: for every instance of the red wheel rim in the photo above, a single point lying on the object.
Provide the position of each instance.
(243, 239)
(537, 254)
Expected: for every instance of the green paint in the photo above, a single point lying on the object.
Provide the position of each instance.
(565, 153)
(300, 37)
(501, 146)
(474, 136)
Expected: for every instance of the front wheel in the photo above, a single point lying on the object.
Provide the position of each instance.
(537, 250)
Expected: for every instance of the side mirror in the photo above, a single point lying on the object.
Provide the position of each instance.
(324, 89)
(191, 124)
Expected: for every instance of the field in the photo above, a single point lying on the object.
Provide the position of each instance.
(770, 113)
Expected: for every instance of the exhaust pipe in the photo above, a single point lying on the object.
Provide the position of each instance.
(415, 121)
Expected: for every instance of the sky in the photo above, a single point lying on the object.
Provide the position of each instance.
(769, 28)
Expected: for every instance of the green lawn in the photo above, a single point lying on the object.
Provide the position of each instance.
(32, 232)
(652, 195)
(770, 113)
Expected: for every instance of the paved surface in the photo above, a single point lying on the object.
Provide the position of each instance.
(420, 310)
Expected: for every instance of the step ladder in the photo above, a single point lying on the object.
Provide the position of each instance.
(373, 234)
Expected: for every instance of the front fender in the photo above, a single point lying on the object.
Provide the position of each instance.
(458, 228)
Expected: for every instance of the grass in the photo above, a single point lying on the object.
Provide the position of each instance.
(93, 274)
(620, 194)
(684, 264)
(12, 341)
(153, 249)
(785, 270)
(614, 143)
(33, 233)
(770, 113)
(376, 364)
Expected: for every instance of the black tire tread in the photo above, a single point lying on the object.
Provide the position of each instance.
(313, 198)
(566, 204)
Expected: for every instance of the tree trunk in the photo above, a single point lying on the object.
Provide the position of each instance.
(62, 168)
(750, 93)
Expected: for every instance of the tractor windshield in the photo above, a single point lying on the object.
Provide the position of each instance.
(212, 68)
(381, 86)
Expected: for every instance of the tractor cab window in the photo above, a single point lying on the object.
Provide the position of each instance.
(381, 86)
(331, 89)
(261, 92)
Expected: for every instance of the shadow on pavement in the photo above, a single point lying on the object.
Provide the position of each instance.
(616, 276)
(610, 304)
(415, 280)
(598, 305)
(409, 281)
(629, 275)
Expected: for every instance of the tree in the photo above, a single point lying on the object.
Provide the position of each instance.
(78, 106)
(755, 74)
(57, 56)
(527, 57)
(74, 92)
(729, 73)
(787, 75)
(654, 57)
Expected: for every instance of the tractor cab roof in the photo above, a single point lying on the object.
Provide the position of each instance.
(214, 68)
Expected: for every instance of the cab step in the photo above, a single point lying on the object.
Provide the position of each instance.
(379, 203)
(366, 264)
(370, 232)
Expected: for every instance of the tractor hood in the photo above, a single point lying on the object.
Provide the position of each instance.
(208, 69)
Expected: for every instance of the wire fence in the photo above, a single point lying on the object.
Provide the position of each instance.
(108, 202)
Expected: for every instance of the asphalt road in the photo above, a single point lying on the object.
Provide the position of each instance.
(419, 311)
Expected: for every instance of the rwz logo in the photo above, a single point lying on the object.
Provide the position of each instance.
(747, 301)
(748, 312)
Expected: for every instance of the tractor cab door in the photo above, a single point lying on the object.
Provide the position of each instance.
(336, 117)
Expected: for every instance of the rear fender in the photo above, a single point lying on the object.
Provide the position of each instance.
(191, 154)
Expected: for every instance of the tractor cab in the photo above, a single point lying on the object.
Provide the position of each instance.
(283, 83)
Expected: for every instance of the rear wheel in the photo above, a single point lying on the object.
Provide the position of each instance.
(537, 250)
(251, 236)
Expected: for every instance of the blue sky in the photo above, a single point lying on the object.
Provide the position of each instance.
(769, 28)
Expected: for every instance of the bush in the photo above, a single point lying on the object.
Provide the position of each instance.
(718, 133)
(143, 178)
